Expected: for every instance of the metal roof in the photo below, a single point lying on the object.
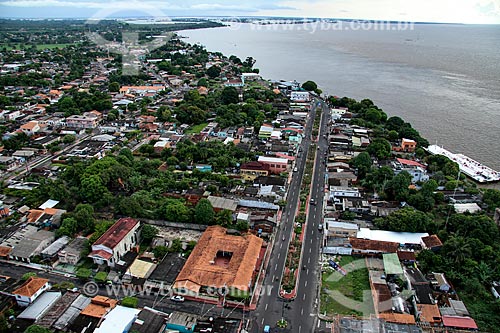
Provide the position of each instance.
(41, 305)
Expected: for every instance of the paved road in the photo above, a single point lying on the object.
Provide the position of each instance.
(271, 308)
(16, 271)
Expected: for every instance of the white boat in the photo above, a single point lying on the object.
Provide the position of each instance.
(472, 168)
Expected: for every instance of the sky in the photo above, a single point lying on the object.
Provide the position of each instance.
(446, 11)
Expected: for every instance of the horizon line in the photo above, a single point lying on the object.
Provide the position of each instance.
(208, 17)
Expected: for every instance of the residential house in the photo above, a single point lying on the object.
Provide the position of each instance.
(416, 170)
(8, 163)
(432, 243)
(30, 128)
(51, 251)
(252, 170)
(440, 282)
(71, 254)
(29, 291)
(81, 121)
(408, 145)
(276, 165)
(122, 237)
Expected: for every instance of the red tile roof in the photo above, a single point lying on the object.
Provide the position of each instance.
(410, 162)
(373, 245)
(459, 322)
(31, 286)
(101, 253)
(407, 255)
(201, 269)
(254, 165)
(432, 241)
(117, 232)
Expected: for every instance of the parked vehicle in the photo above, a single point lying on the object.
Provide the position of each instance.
(177, 298)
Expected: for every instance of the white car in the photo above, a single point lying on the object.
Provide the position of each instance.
(295, 169)
(177, 298)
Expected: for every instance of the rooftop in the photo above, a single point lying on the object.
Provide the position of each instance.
(31, 286)
(459, 322)
(432, 241)
(40, 306)
(373, 245)
(118, 320)
(221, 260)
(392, 264)
(99, 306)
(117, 232)
(223, 203)
(392, 236)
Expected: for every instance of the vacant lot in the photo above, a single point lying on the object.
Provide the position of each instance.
(344, 294)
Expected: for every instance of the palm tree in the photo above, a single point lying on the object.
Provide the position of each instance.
(458, 249)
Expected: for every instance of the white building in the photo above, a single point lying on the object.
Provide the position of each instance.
(29, 291)
(115, 242)
(300, 96)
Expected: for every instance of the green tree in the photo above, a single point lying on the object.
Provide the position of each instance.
(68, 227)
(406, 220)
(491, 197)
(130, 302)
(37, 329)
(160, 251)
(380, 148)
(101, 277)
(177, 212)
(83, 273)
(224, 218)
(397, 188)
(204, 212)
(362, 163)
(202, 82)
(84, 216)
(148, 232)
(26, 276)
(242, 226)
(92, 188)
(213, 72)
(4, 325)
(229, 95)
(114, 87)
(68, 138)
(309, 86)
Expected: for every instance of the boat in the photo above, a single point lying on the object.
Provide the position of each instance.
(472, 168)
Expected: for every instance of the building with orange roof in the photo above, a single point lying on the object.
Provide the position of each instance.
(30, 290)
(221, 260)
(115, 242)
(30, 128)
(429, 313)
(99, 306)
(397, 318)
(431, 242)
(5, 251)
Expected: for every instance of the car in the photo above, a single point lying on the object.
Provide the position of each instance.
(295, 169)
(312, 202)
(177, 298)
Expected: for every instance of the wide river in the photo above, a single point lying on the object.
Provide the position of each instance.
(443, 79)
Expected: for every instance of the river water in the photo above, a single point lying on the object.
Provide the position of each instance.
(443, 79)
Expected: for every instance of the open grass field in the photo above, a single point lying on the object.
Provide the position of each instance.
(344, 294)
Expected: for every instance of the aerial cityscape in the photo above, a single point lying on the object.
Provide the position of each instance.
(247, 170)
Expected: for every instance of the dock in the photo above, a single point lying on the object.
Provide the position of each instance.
(472, 168)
